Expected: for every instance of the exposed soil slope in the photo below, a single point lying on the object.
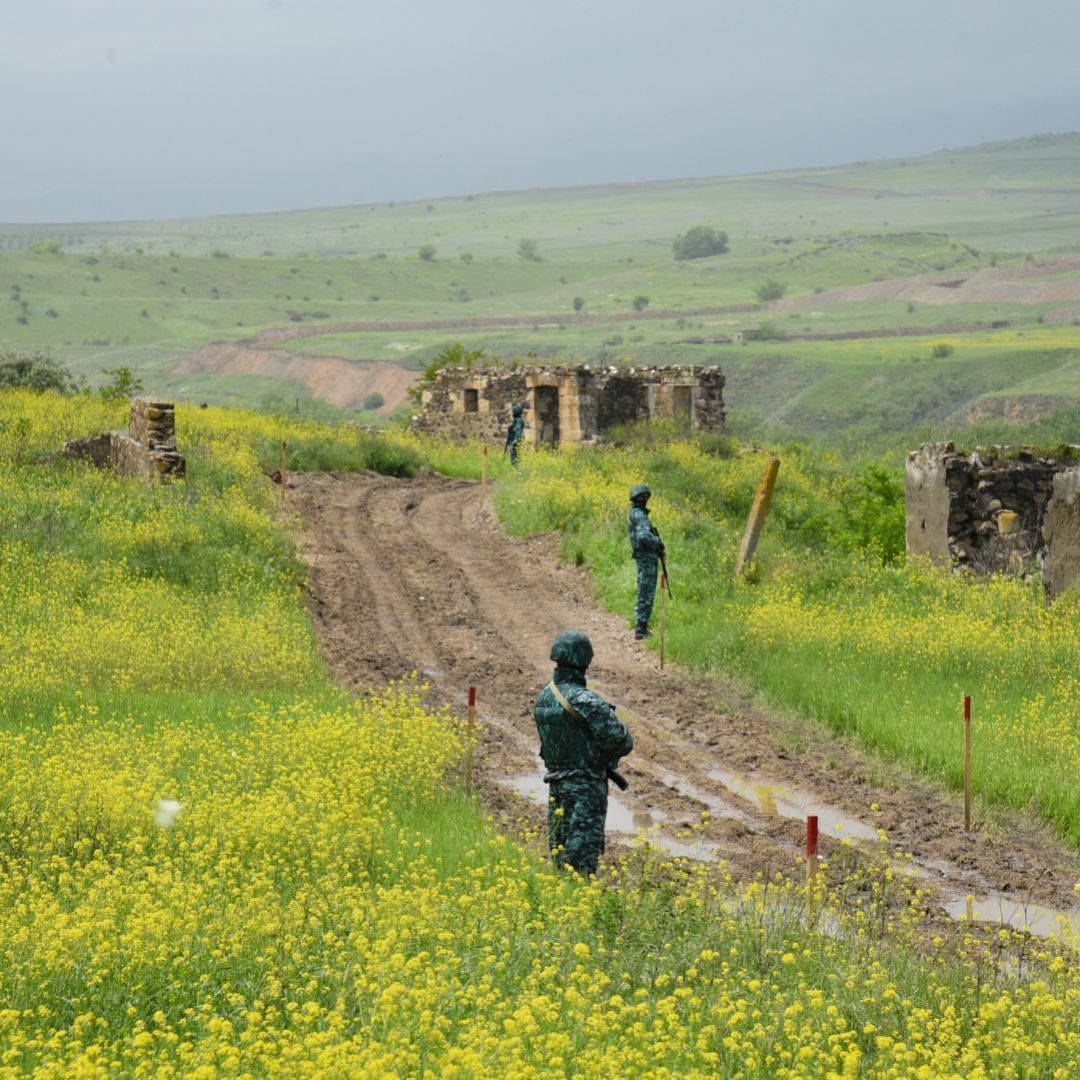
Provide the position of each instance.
(416, 575)
(342, 382)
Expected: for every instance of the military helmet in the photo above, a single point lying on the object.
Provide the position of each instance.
(517, 408)
(639, 491)
(573, 649)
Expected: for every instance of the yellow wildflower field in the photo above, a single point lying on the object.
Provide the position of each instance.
(214, 863)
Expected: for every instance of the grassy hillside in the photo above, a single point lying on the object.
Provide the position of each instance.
(956, 242)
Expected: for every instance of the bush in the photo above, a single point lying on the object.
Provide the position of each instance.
(36, 371)
(640, 302)
(526, 249)
(579, 302)
(699, 243)
(769, 331)
(770, 290)
(121, 386)
(426, 252)
(941, 350)
(374, 401)
(317, 453)
(46, 247)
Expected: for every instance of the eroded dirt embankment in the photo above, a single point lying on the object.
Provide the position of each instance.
(416, 575)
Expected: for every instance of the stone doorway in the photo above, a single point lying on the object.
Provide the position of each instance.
(682, 405)
(546, 413)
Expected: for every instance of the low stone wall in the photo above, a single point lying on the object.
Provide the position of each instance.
(568, 403)
(146, 450)
(1001, 511)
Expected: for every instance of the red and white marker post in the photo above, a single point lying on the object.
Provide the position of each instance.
(967, 763)
(811, 850)
(470, 734)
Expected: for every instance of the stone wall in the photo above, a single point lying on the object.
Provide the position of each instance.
(993, 511)
(146, 450)
(568, 403)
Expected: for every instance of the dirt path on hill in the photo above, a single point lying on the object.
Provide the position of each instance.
(417, 576)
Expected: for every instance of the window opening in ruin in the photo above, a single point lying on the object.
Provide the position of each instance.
(472, 400)
(546, 412)
(681, 405)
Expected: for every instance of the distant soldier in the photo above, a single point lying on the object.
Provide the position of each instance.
(647, 548)
(581, 741)
(515, 433)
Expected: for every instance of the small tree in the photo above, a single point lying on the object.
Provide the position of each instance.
(426, 252)
(526, 249)
(770, 290)
(579, 302)
(699, 242)
(374, 401)
(121, 386)
(640, 302)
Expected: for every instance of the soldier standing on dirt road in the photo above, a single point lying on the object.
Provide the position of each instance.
(515, 433)
(647, 548)
(581, 741)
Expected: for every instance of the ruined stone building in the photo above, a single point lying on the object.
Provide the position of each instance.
(996, 511)
(569, 403)
(146, 450)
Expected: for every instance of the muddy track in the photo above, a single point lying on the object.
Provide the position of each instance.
(416, 576)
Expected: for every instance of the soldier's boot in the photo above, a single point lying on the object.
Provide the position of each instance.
(642, 631)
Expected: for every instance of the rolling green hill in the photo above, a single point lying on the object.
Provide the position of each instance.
(972, 246)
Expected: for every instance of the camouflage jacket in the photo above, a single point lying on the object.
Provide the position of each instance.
(644, 539)
(571, 748)
(515, 432)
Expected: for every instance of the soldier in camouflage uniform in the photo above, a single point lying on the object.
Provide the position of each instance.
(515, 433)
(580, 741)
(647, 548)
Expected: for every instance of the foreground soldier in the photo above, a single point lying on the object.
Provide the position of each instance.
(515, 433)
(646, 547)
(581, 741)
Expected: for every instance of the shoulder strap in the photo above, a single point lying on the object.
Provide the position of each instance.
(561, 699)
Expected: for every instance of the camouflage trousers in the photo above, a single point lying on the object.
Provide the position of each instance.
(577, 810)
(646, 589)
(514, 452)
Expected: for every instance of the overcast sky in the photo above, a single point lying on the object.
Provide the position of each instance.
(122, 109)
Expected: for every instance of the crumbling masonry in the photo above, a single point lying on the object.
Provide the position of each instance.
(996, 511)
(146, 450)
(565, 403)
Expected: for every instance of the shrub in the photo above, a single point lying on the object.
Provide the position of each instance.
(770, 290)
(121, 385)
(426, 252)
(941, 350)
(579, 302)
(374, 401)
(35, 371)
(526, 249)
(699, 242)
(46, 247)
(640, 302)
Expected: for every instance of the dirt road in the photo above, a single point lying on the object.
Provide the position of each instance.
(415, 575)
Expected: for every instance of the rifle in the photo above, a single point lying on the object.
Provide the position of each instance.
(618, 779)
(667, 576)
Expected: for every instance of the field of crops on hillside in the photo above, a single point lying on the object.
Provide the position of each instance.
(214, 862)
(832, 623)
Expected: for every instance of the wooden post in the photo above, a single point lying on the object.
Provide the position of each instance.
(284, 450)
(663, 585)
(967, 763)
(756, 521)
(811, 850)
(470, 729)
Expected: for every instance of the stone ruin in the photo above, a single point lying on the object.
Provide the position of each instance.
(568, 403)
(996, 511)
(146, 450)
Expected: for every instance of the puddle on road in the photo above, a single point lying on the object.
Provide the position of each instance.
(718, 806)
(620, 820)
(775, 799)
(1041, 921)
